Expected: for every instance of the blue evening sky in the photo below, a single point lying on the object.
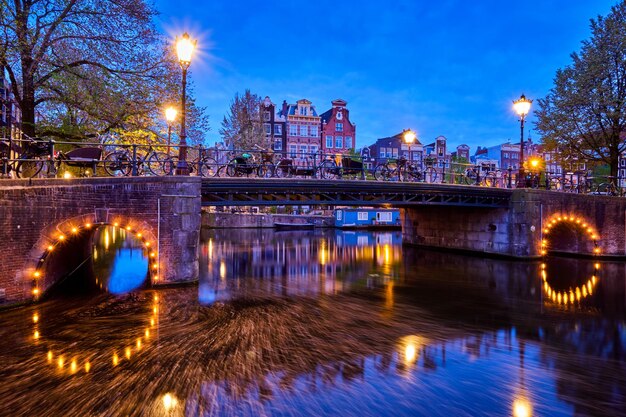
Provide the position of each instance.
(440, 67)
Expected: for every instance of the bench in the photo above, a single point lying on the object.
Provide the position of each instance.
(82, 158)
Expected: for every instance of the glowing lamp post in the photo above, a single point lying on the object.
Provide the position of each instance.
(522, 108)
(170, 116)
(184, 49)
(409, 138)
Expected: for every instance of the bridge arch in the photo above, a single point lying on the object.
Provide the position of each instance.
(577, 226)
(56, 236)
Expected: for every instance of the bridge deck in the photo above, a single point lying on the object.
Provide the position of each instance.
(263, 192)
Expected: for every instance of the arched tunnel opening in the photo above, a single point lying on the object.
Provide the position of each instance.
(569, 236)
(103, 258)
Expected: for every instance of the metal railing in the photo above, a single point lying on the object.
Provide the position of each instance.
(33, 158)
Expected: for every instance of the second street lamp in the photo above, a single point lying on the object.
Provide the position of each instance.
(522, 108)
(184, 49)
(170, 116)
(409, 137)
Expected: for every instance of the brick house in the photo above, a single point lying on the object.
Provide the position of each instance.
(302, 129)
(274, 126)
(338, 132)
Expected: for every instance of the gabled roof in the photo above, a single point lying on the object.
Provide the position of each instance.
(326, 115)
(399, 137)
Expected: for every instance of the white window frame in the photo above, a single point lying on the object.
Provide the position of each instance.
(338, 127)
(314, 131)
(348, 142)
(384, 216)
(329, 141)
(293, 130)
(362, 216)
(278, 129)
(339, 142)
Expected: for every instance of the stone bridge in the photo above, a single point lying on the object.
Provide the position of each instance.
(46, 225)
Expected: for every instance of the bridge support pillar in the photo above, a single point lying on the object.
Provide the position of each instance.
(514, 231)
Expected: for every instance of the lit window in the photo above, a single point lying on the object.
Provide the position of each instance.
(362, 215)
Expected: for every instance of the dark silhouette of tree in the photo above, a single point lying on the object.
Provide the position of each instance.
(242, 127)
(584, 115)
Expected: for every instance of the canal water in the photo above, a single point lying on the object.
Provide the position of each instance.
(316, 323)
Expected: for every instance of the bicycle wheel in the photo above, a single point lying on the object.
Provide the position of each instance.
(266, 170)
(208, 167)
(29, 168)
(382, 173)
(118, 164)
(283, 169)
(159, 164)
(328, 170)
(232, 170)
(412, 173)
(470, 177)
(430, 175)
(490, 180)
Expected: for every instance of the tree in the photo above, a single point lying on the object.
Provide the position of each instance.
(584, 114)
(242, 127)
(87, 66)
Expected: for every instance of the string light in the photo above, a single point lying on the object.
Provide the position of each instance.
(576, 222)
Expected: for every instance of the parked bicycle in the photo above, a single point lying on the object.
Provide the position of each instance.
(609, 187)
(304, 166)
(486, 175)
(402, 170)
(32, 157)
(121, 162)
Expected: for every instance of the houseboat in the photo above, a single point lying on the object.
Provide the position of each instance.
(367, 218)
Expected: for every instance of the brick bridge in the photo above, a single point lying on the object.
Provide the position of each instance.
(46, 225)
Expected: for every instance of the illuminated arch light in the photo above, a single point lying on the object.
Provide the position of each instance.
(73, 230)
(134, 347)
(575, 221)
(573, 294)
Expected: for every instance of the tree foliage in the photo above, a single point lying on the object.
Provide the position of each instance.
(89, 66)
(242, 127)
(584, 115)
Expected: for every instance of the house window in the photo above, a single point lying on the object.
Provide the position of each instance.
(362, 215)
(339, 142)
(266, 116)
(339, 214)
(382, 152)
(278, 145)
(314, 131)
(278, 129)
(440, 164)
(303, 130)
(313, 149)
(303, 111)
(339, 127)
(348, 141)
(268, 128)
(329, 141)
(293, 149)
(506, 155)
(416, 156)
(384, 216)
(388, 153)
(303, 151)
(293, 130)
(395, 152)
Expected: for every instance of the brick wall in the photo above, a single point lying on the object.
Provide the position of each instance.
(34, 213)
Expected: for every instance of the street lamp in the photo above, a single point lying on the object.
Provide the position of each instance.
(522, 107)
(409, 137)
(170, 116)
(184, 49)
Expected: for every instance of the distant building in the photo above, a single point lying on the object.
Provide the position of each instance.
(303, 129)
(273, 125)
(437, 155)
(392, 147)
(462, 153)
(338, 132)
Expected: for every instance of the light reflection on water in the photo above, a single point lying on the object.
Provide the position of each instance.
(329, 323)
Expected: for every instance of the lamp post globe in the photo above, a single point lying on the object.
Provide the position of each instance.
(409, 137)
(184, 49)
(522, 108)
(170, 117)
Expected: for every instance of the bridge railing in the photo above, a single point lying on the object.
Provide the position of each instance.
(31, 157)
